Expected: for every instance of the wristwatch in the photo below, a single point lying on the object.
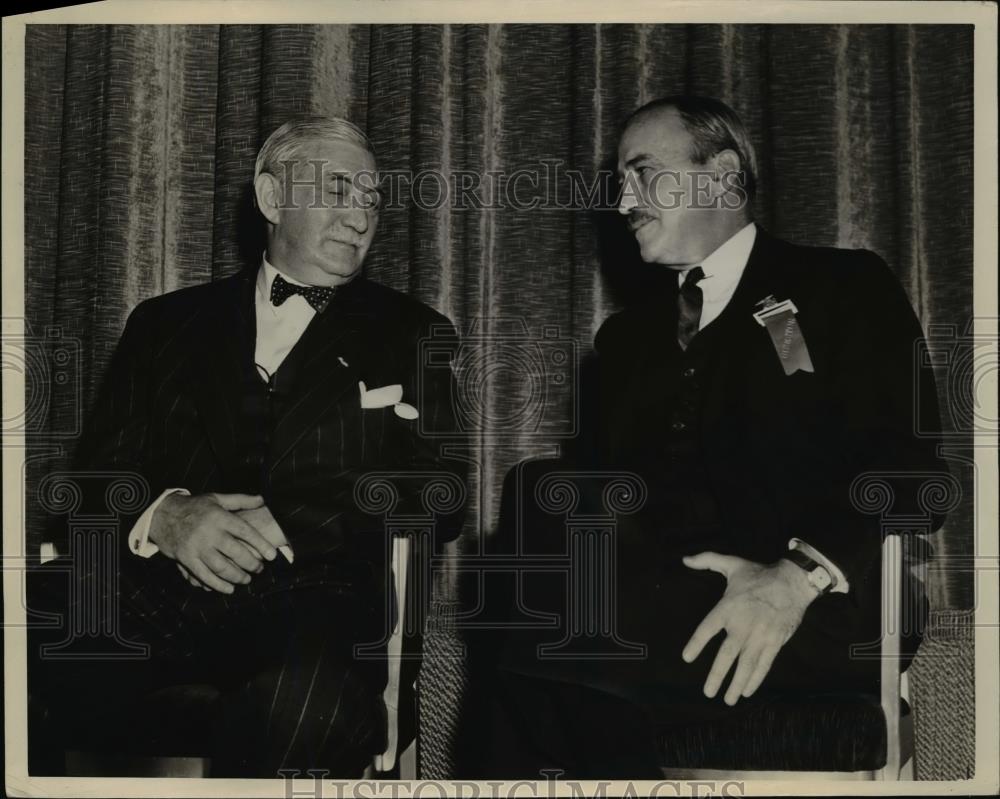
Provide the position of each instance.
(818, 575)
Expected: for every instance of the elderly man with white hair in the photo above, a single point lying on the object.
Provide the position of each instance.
(251, 406)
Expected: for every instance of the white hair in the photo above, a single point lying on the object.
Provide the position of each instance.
(283, 145)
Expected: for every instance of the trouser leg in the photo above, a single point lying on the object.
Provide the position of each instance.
(310, 705)
(293, 696)
(541, 728)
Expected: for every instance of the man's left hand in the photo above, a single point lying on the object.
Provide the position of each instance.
(761, 609)
(263, 521)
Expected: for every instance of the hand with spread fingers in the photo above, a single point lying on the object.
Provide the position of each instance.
(761, 609)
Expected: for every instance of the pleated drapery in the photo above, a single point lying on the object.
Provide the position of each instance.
(140, 143)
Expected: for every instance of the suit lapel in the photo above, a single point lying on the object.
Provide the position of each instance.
(748, 366)
(657, 319)
(223, 358)
(324, 365)
(760, 279)
(658, 314)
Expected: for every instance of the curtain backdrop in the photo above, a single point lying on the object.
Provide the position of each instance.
(140, 145)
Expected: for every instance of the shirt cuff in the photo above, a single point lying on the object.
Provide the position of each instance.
(138, 540)
(841, 586)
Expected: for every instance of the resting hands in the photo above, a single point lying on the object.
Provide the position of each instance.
(762, 607)
(218, 540)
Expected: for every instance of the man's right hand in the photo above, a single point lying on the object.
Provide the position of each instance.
(207, 537)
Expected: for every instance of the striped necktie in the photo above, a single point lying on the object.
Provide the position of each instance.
(689, 307)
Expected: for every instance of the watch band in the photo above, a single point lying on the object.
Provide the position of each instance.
(819, 576)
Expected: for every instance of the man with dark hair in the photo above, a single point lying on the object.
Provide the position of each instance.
(747, 393)
(251, 407)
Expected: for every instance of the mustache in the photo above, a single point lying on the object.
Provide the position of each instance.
(637, 219)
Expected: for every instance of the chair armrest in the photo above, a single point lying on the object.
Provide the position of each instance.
(390, 696)
(892, 618)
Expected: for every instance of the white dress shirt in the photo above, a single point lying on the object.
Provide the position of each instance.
(278, 330)
(723, 270)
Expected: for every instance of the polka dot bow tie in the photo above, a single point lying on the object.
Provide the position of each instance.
(316, 296)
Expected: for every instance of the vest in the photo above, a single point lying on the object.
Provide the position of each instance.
(262, 403)
(663, 441)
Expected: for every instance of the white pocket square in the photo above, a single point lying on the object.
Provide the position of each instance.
(384, 397)
(380, 397)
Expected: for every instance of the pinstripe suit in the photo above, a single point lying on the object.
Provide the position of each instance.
(183, 406)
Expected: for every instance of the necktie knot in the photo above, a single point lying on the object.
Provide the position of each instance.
(317, 296)
(692, 277)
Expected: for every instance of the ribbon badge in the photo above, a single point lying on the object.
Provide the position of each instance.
(786, 335)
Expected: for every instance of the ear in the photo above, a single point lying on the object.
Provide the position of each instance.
(726, 162)
(268, 194)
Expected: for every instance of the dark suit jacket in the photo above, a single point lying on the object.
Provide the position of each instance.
(172, 411)
(781, 451)
(778, 454)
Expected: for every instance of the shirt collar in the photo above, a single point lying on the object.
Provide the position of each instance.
(724, 267)
(265, 277)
